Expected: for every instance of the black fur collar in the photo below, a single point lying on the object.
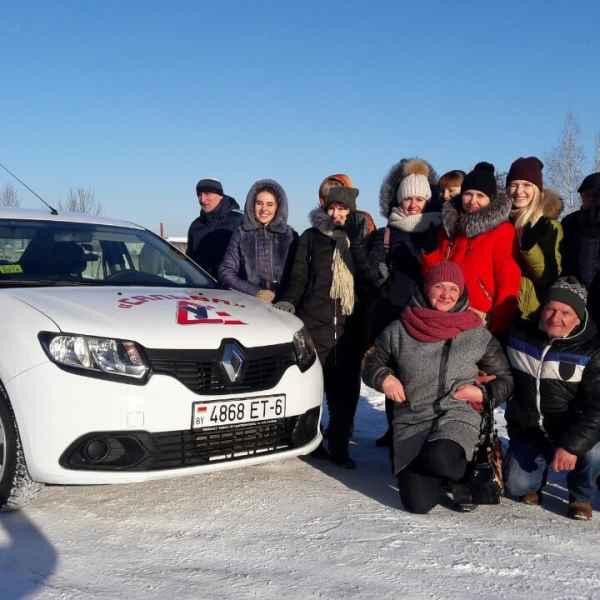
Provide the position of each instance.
(455, 221)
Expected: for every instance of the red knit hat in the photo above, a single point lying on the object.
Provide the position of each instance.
(527, 169)
(445, 271)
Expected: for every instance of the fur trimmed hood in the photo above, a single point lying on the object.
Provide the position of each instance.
(389, 187)
(279, 223)
(320, 220)
(455, 221)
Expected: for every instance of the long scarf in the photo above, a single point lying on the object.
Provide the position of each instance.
(430, 325)
(342, 281)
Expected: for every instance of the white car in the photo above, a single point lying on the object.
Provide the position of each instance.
(122, 361)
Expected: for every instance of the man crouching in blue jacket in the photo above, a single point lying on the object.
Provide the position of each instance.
(554, 416)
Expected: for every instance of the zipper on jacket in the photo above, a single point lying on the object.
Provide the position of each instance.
(538, 395)
(484, 290)
(450, 250)
(442, 374)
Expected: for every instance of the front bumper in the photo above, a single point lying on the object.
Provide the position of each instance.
(57, 412)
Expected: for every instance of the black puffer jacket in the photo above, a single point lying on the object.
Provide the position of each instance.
(209, 234)
(581, 254)
(557, 386)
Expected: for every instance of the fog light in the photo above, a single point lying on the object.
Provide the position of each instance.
(95, 450)
(307, 427)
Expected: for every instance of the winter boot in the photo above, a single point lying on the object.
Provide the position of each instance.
(462, 500)
(580, 510)
(531, 499)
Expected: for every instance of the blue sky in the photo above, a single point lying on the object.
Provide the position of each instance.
(139, 100)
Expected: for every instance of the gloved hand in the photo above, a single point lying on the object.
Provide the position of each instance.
(542, 233)
(266, 295)
(285, 306)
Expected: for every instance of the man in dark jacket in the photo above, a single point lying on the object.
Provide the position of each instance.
(209, 234)
(554, 416)
(581, 243)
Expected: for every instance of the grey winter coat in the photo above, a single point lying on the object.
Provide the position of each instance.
(431, 372)
(258, 256)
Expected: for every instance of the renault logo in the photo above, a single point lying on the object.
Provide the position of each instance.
(232, 361)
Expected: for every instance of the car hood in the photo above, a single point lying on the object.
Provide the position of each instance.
(159, 317)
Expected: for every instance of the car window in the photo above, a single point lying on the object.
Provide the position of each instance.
(50, 252)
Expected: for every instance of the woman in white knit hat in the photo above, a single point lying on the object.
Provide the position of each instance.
(395, 251)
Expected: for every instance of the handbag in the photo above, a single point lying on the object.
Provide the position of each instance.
(485, 471)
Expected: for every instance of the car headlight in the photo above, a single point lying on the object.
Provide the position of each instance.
(304, 349)
(95, 356)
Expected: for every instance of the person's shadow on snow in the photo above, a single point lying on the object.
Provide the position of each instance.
(373, 475)
(27, 558)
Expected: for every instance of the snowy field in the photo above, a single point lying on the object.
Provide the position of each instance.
(296, 529)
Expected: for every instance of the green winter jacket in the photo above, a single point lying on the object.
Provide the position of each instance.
(540, 262)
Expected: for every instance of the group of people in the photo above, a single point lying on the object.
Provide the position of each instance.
(469, 297)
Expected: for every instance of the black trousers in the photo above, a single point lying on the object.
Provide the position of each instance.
(421, 481)
(341, 375)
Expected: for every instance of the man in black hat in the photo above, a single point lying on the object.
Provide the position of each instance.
(553, 416)
(209, 234)
(581, 244)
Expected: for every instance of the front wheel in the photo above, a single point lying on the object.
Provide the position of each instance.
(16, 486)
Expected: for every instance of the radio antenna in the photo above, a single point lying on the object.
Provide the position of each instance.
(52, 209)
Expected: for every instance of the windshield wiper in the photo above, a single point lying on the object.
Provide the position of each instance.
(43, 283)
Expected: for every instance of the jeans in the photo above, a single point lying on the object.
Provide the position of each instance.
(526, 469)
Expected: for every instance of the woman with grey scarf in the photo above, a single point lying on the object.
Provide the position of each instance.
(321, 292)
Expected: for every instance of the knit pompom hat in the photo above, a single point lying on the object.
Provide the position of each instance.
(414, 185)
(445, 271)
(482, 179)
(415, 181)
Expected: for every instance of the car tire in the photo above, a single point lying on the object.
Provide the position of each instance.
(17, 489)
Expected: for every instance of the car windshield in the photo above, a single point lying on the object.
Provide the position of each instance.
(43, 253)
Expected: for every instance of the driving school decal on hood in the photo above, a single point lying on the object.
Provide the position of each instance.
(192, 309)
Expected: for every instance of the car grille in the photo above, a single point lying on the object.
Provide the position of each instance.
(218, 444)
(145, 451)
(201, 371)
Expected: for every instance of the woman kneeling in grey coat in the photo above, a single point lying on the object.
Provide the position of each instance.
(428, 363)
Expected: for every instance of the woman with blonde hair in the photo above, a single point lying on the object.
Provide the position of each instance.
(539, 237)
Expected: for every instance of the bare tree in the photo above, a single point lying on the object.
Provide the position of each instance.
(564, 164)
(81, 200)
(501, 181)
(9, 197)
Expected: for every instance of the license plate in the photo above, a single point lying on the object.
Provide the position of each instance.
(239, 410)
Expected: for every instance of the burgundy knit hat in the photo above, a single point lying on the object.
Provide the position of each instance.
(528, 169)
(445, 271)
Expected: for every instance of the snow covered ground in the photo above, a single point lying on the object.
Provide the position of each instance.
(296, 529)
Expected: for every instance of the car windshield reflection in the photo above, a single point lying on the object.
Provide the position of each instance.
(52, 253)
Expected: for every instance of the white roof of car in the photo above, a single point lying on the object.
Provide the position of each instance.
(45, 215)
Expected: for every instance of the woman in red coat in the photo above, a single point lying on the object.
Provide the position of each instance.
(477, 235)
